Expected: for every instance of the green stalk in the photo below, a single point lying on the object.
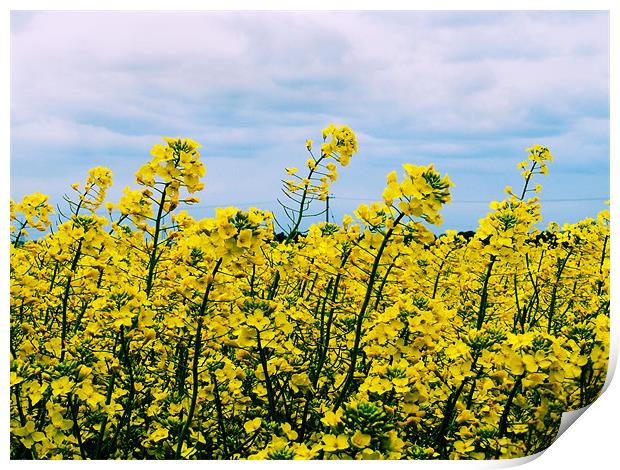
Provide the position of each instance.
(76, 427)
(108, 400)
(330, 318)
(65, 299)
(220, 415)
(440, 440)
(263, 361)
(527, 181)
(274, 286)
(443, 262)
(324, 346)
(192, 406)
(18, 403)
(128, 408)
(152, 260)
(384, 281)
(503, 422)
(600, 269)
(535, 298)
(485, 294)
(52, 281)
(301, 204)
(518, 316)
(555, 290)
(322, 324)
(197, 346)
(362, 313)
(19, 233)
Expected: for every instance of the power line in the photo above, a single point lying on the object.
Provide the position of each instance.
(487, 201)
(215, 206)
(369, 199)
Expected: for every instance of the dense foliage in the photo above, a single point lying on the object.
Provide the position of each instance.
(154, 335)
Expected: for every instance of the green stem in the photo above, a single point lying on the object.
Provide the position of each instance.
(518, 316)
(128, 408)
(360, 318)
(65, 299)
(76, 427)
(19, 234)
(192, 406)
(153, 258)
(440, 440)
(322, 322)
(274, 286)
(220, 415)
(383, 282)
(527, 181)
(108, 400)
(443, 262)
(503, 422)
(535, 299)
(600, 269)
(485, 294)
(301, 205)
(263, 361)
(18, 403)
(323, 346)
(197, 346)
(554, 293)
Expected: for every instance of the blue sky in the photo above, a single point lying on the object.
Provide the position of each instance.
(467, 91)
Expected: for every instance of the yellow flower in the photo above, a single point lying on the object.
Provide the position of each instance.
(252, 425)
(328, 130)
(61, 386)
(332, 419)
(360, 440)
(28, 434)
(335, 443)
(226, 230)
(159, 434)
(244, 239)
(286, 428)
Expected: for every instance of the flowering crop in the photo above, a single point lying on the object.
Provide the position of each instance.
(158, 336)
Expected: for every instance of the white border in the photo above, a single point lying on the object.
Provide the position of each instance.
(592, 442)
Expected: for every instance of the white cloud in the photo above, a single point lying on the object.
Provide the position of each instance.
(461, 88)
(62, 133)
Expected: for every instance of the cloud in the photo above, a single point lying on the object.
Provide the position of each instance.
(466, 90)
(59, 132)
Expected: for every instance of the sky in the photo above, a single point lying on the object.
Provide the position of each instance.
(467, 91)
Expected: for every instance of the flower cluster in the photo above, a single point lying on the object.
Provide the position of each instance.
(177, 165)
(339, 145)
(35, 209)
(421, 193)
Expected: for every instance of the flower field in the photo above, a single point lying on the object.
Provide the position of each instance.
(138, 332)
